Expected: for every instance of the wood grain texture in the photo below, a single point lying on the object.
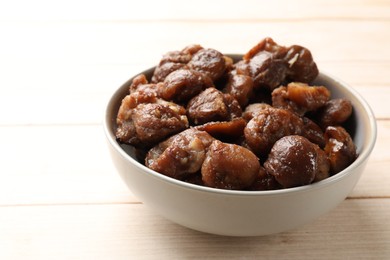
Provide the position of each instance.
(72, 73)
(60, 61)
(134, 231)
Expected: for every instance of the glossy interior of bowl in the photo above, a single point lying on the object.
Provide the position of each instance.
(243, 213)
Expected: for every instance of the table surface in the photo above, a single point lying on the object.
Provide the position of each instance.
(60, 196)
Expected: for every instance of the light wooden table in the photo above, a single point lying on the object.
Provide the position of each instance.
(60, 196)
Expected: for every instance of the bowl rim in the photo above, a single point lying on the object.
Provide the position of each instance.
(370, 140)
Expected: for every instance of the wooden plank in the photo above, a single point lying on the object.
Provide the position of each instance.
(202, 10)
(72, 73)
(71, 164)
(75, 43)
(356, 229)
(80, 97)
(358, 73)
(60, 164)
(370, 184)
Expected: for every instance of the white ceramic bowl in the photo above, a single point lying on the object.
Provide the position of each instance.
(243, 213)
